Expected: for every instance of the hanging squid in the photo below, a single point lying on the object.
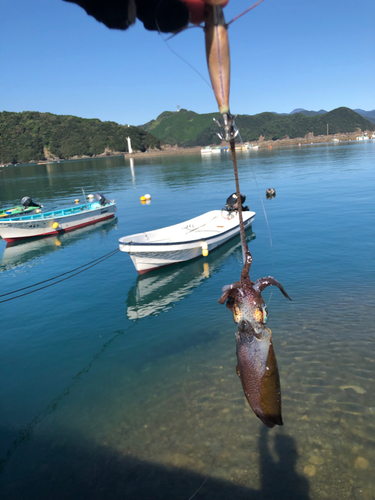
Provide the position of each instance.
(257, 365)
(256, 360)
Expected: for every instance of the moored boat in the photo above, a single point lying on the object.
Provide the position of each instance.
(154, 293)
(57, 221)
(185, 241)
(28, 206)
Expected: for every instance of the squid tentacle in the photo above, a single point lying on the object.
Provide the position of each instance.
(263, 283)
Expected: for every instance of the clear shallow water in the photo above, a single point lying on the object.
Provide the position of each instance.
(119, 386)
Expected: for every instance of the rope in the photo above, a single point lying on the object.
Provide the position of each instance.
(87, 266)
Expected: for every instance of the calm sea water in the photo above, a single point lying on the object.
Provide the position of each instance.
(117, 386)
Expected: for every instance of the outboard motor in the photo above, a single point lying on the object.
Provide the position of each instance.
(101, 199)
(232, 203)
(28, 202)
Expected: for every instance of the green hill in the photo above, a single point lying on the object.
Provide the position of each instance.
(186, 128)
(31, 135)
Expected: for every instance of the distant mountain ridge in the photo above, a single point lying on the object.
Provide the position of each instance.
(370, 115)
(187, 129)
(308, 113)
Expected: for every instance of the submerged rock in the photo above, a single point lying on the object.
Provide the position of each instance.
(309, 470)
(361, 463)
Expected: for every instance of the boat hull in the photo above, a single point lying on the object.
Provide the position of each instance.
(33, 226)
(147, 257)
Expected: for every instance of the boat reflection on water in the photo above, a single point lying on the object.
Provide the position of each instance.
(20, 252)
(158, 291)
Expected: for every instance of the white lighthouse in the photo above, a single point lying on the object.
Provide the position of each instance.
(129, 144)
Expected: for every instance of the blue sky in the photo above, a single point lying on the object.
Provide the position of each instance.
(285, 55)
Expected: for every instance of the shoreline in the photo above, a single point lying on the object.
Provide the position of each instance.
(269, 144)
(176, 150)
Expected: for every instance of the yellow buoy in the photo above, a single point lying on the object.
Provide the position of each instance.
(76, 200)
(143, 198)
(204, 249)
(55, 225)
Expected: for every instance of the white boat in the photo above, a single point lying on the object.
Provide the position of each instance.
(184, 241)
(155, 293)
(206, 150)
(250, 146)
(57, 221)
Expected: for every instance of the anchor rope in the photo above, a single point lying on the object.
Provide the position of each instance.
(80, 270)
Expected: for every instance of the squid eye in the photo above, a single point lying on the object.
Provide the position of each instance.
(265, 313)
(258, 315)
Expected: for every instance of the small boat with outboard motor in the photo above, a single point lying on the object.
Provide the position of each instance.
(187, 240)
(57, 221)
(28, 206)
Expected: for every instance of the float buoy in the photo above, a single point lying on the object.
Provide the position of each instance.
(90, 196)
(270, 193)
(143, 199)
(76, 200)
(55, 225)
(204, 249)
(147, 196)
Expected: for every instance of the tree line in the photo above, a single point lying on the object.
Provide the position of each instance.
(33, 136)
(186, 128)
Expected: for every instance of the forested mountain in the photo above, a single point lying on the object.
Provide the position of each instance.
(186, 128)
(34, 136)
(272, 127)
(31, 135)
(369, 115)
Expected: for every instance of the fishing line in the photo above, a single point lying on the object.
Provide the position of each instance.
(265, 216)
(244, 12)
(213, 464)
(165, 40)
(214, 460)
(90, 264)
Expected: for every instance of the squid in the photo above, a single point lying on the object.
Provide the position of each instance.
(256, 359)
